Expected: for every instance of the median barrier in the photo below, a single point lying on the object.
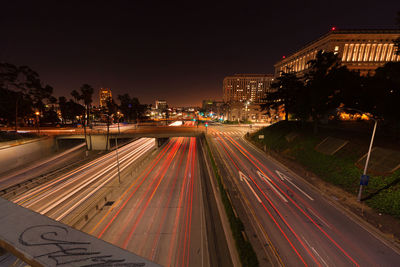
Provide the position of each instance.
(80, 216)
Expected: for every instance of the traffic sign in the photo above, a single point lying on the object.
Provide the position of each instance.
(364, 179)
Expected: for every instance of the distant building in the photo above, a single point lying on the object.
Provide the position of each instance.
(247, 87)
(104, 95)
(239, 111)
(161, 104)
(359, 50)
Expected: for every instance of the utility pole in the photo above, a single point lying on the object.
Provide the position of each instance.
(116, 150)
(37, 121)
(364, 178)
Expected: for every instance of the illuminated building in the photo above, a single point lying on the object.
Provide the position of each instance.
(161, 104)
(246, 87)
(359, 50)
(104, 94)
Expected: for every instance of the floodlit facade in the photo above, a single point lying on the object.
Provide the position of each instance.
(104, 94)
(359, 50)
(251, 88)
(161, 104)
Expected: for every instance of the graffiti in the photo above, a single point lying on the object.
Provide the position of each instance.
(65, 252)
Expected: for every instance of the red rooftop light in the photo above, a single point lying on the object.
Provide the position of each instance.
(283, 56)
(333, 28)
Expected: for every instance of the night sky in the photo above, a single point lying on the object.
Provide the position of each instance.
(168, 50)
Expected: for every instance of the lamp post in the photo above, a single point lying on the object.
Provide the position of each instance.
(116, 150)
(37, 113)
(246, 105)
(364, 178)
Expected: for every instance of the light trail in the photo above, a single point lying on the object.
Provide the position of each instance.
(154, 218)
(248, 155)
(171, 156)
(60, 197)
(269, 213)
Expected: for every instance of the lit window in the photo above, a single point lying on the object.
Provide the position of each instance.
(367, 48)
(389, 53)
(346, 46)
(372, 54)
(355, 54)
(384, 49)
(350, 52)
(378, 52)
(361, 52)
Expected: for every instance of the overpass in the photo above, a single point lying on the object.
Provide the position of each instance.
(97, 139)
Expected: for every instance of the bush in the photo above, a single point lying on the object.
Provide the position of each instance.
(382, 193)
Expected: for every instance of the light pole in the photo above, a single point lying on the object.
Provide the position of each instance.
(116, 150)
(364, 177)
(37, 113)
(246, 105)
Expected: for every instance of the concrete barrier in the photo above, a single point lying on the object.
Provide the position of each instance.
(25, 152)
(89, 209)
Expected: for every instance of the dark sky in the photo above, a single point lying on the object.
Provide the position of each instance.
(168, 50)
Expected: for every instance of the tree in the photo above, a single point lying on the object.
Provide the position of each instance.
(62, 101)
(22, 91)
(286, 88)
(86, 96)
(109, 110)
(397, 41)
(321, 91)
(131, 107)
(386, 85)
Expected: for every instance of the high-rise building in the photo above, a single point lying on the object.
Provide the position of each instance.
(360, 50)
(161, 104)
(104, 95)
(247, 87)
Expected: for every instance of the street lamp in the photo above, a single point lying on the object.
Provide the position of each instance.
(37, 113)
(246, 105)
(364, 177)
(116, 150)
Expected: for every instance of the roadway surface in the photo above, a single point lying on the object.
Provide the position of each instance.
(160, 216)
(59, 197)
(301, 227)
(42, 167)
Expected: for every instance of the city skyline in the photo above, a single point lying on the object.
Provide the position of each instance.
(174, 52)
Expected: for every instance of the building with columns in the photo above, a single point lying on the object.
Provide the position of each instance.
(359, 50)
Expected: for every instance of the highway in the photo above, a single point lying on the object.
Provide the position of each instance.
(299, 225)
(42, 167)
(160, 215)
(61, 196)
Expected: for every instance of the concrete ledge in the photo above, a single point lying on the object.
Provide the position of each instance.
(79, 217)
(41, 241)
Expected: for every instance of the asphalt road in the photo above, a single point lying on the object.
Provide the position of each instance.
(160, 216)
(299, 225)
(41, 167)
(61, 196)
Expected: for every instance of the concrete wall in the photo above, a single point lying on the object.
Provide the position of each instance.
(24, 152)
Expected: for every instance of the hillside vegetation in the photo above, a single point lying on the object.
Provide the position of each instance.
(382, 192)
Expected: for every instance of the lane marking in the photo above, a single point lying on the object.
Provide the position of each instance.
(244, 178)
(315, 251)
(268, 181)
(284, 177)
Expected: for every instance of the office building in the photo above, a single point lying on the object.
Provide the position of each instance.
(161, 104)
(104, 95)
(251, 88)
(359, 50)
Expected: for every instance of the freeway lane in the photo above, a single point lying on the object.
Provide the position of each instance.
(303, 227)
(160, 216)
(59, 197)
